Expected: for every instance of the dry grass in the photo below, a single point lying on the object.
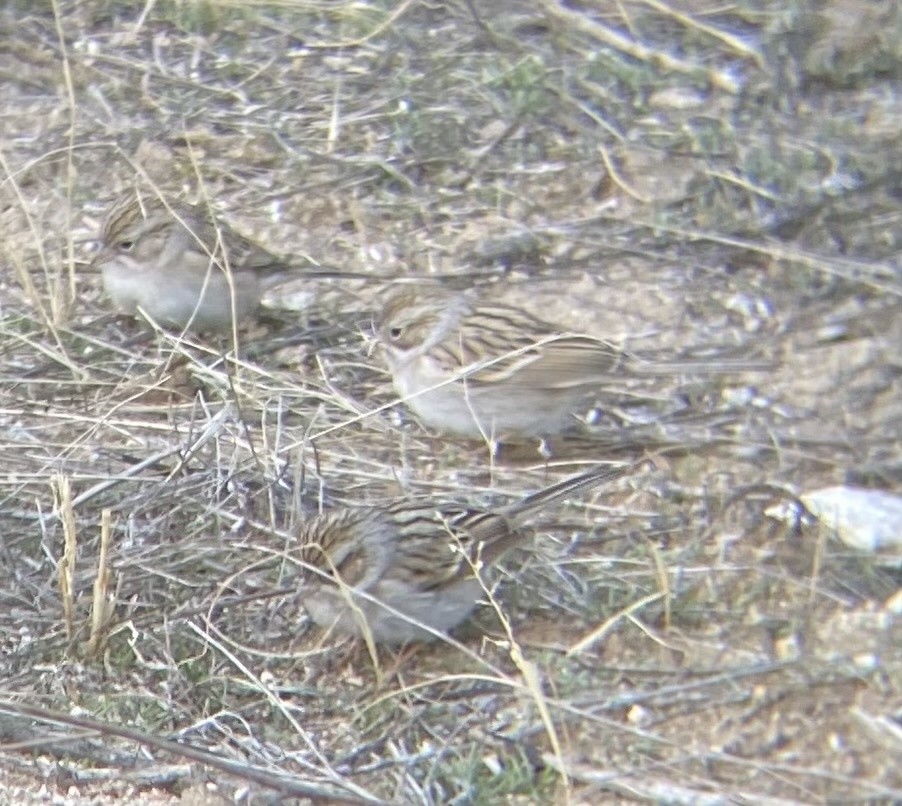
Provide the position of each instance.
(674, 175)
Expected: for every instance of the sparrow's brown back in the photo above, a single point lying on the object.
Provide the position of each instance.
(493, 344)
(429, 545)
(134, 217)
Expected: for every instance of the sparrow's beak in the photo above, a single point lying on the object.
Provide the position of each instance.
(103, 256)
(372, 340)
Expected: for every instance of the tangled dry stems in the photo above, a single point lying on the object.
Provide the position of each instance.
(662, 640)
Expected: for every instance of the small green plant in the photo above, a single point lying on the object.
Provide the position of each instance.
(484, 777)
(523, 86)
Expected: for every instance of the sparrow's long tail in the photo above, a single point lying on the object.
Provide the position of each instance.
(699, 366)
(566, 487)
(496, 532)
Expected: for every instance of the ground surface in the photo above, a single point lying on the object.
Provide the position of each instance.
(671, 174)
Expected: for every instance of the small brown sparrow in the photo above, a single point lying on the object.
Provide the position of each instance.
(408, 570)
(480, 369)
(180, 266)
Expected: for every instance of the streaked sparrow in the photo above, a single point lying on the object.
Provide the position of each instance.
(180, 266)
(407, 569)
(479, 369)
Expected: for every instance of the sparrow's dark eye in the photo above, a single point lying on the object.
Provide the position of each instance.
(395, 333)
(125, 246)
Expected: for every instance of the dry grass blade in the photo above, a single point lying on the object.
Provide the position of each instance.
(603, 630)
(103, 600)
(734, 42)
(719, 78)
(66, 567)
(657, 790)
